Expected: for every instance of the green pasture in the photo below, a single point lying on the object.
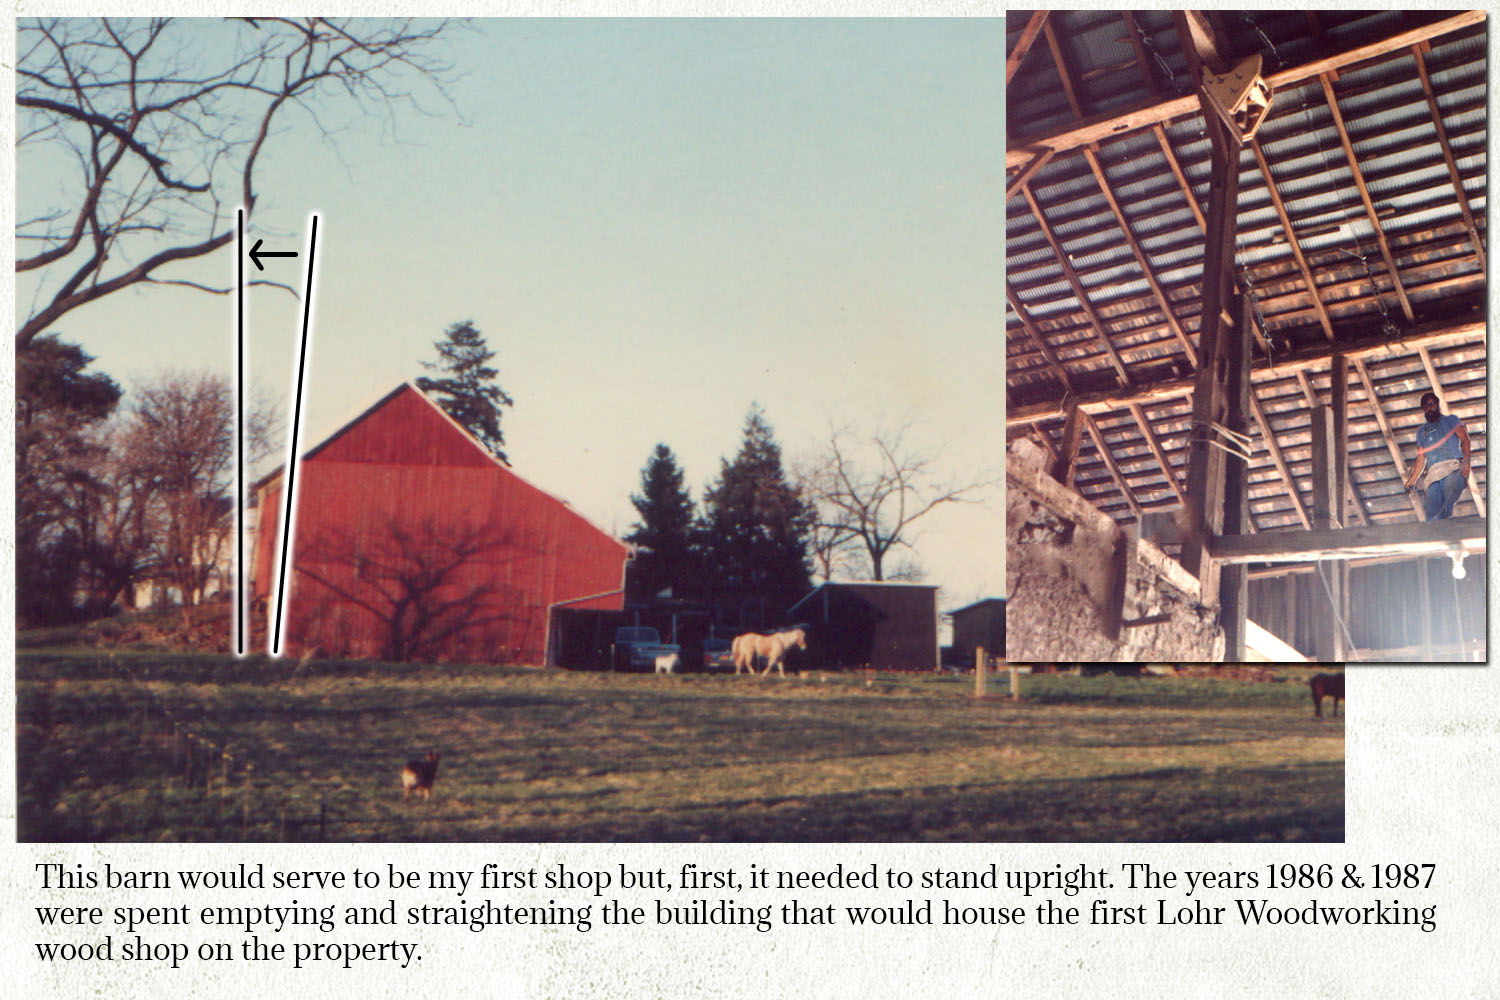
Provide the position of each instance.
(152, 746)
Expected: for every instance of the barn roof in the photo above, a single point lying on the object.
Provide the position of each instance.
(470, 450)
(1361, 230)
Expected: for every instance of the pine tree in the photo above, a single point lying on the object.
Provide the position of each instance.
(469, 392)
(754, 530)
(664, 533)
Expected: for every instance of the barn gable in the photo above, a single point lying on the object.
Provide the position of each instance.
(413, 541)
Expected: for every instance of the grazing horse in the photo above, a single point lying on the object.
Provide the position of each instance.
(1326, 686)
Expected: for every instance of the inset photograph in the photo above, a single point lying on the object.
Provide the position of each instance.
(1245, 336)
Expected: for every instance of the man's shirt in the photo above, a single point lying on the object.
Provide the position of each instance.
(1439, 440)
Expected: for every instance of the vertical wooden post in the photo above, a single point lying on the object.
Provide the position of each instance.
(1062, 469)
(1217, 324)
(1329, 639)
(245, 812)
(1015, 683)
(1339, 400)
(1234, 583)
(979, 665)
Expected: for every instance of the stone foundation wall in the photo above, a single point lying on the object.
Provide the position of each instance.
(1063, 562)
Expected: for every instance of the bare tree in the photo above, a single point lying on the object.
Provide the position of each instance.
(434, 588)
(869, 495)
(180, 446)
(147, 133)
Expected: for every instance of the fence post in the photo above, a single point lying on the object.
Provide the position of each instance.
(979, 664)
(1015, 682)
(245, 817)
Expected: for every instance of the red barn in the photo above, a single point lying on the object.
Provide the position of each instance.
(412, 541)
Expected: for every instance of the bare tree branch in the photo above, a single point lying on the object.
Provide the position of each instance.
(165, 122)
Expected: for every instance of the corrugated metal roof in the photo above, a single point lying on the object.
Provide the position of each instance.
(1385, 110)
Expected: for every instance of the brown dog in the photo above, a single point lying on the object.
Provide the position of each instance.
(1326, 686)
(418, 775)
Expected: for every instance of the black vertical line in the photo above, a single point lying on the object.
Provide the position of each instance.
(240, 597)
(288, 494)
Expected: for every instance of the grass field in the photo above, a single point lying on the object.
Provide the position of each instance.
(131, 746)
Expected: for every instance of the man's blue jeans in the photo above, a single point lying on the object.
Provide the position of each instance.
(1443, 494)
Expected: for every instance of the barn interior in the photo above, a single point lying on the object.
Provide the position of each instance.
(1313, 183)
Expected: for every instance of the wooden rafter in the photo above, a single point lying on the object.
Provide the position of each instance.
(1109, 461)
(1101, 127)
(1437, 389)
(1364, 195)
(1355, 495)
(1137, 42)
(1078, 290)
(1273, 448)
(1447, 148)
(1291, 238)
(1140, 258)
(1058, 368)
(1200, 42)
(1156, 449)
(1027, 173)
(1063, 72)
(1301, 361)
(1091, 154)
(1385, 428)
(1177, 171)
(1023, 44)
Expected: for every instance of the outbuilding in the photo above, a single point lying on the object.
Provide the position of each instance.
(411, 540)
(888, 626)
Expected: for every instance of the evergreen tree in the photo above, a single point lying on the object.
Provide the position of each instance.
(664, 533)
(754, 530)
(468, 390)
(58, 406)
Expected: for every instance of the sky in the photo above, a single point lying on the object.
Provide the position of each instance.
(656, 223)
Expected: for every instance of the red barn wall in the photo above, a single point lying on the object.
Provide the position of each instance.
(402, 489)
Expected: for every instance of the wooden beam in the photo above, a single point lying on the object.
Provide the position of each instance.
(1200, 43)
(1103, 401)
(1437, 389)
(1447, 148)
(1364, 196)
(1273, 447)
(1137, 42)
(1109, 462)
(1291, 239)
(1063, 73)
(1028, 172)
(1156, 449)
(1329, 641)
(1078, 291)
(1177, 171)
(1023, 44)
(1101, 127)
(1434, 538)
(1385, 430)
(1067, 459)
(1140, 257)
(1058, 368)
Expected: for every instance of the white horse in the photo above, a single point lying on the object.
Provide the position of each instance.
(752, 646)
(743, 651)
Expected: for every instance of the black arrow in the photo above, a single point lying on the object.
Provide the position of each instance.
(256, 253)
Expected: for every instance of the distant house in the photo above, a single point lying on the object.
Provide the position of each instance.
(412, 541)
(891, 626)
(979, 624)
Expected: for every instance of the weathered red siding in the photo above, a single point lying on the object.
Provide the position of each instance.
(402, 491)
